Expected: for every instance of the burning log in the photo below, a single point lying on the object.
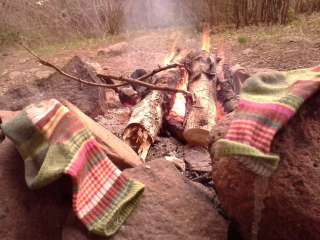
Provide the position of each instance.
(178, 109)
(202, 116)
(229, 82)
(147, 117)
(145, 123)
(179, 103)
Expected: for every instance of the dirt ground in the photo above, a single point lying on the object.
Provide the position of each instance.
(278, 48)
(255, 48)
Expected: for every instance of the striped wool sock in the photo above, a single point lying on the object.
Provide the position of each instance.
(267, 103)
(53, 142)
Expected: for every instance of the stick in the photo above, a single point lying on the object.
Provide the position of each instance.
(140, 82)
(113, 86)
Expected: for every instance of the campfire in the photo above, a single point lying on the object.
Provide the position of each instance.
(187, 119)
(180, 97)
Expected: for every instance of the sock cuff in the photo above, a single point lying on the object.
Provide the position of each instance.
(262, 161)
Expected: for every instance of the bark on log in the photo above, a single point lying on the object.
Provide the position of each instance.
(145, 123)
(202, 116)
(147, 116)
(119, 152)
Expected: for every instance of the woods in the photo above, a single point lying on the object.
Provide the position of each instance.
(59, 20)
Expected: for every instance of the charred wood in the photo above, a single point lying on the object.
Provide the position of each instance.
(202, 116)
(145, 123)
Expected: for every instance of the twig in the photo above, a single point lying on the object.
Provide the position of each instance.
(59, 70)
(138, 81)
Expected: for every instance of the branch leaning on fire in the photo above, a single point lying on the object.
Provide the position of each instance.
(127, 80)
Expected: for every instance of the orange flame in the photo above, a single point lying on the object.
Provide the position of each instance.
(206, 41)
(179, 105)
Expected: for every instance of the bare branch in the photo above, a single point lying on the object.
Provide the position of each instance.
(59, 70)
(138, 81)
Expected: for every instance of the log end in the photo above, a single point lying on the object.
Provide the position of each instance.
(139, 139)
(197, 136)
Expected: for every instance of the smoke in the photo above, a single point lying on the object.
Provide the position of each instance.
(144, 14)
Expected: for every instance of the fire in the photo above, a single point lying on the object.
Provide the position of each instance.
(206, 40)
(179, 106)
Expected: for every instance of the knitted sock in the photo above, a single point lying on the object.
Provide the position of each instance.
(53, 141)
(267, 102)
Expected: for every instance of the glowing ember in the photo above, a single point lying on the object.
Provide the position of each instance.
(179, 106)
(206, 41)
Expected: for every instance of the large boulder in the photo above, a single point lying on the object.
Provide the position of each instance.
(286, 205)
(170, 208)
(26, 214)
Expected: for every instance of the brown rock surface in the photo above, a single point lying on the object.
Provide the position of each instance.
(90, 100)
(26, 214)
(197, 158)
(171, 208)
(287, 205)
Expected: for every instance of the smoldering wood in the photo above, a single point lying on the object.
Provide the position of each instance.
(229, 82)
(147, 116)
(202, 116)
(178, 108)
(145, 123)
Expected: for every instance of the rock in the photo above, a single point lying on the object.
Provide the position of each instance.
(26, 214)
(113, 50)
(285, 206)
(179, 163)
(89, 99)
(128, 96)
(142, 91)
(170, 208)
(197, 158)
(111, 99)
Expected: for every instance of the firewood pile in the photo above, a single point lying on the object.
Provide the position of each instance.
(181, 100)
(189, 119)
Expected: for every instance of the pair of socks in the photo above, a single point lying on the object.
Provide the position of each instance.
(53, 142)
